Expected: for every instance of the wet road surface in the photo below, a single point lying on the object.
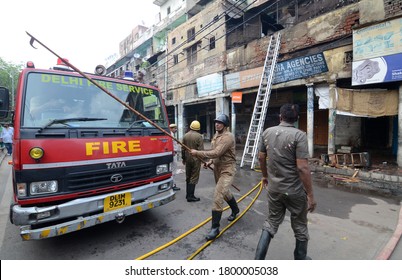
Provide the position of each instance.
(349, 224)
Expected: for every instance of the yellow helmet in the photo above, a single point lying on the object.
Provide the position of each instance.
(195, 125)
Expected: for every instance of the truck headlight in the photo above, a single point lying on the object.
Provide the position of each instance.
(42, 187)
(36, 153)
(163, 168)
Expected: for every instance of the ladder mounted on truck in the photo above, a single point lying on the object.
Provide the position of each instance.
(261, 102)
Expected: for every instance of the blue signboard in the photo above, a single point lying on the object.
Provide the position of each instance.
(210, 84)
(301, 67)
(377, 70)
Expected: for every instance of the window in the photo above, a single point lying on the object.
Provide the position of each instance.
(168, 10)
(212, 43)
(173, 40)
(77, 100)
(175, 59)
(190, 34)
(348, 58)
(192, 54)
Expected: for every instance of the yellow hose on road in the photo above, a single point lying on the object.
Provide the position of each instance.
(229, 225)
(203, 223)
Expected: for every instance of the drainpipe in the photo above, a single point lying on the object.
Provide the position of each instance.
(310, 119)
(233, 125)
(331, 119)
(180, 120)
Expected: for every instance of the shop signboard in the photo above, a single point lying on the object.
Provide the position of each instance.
(300, 67)
(292, 69)
(210, 84)
(237, 97)
(377, 53)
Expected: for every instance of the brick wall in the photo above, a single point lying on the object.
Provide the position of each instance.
(326, 28)
(392, 8)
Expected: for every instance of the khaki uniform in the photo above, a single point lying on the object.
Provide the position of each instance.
(193, 140)
(223, 154)
(283, 144)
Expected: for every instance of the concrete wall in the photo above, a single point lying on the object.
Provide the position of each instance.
(249, 56)
(372, 11)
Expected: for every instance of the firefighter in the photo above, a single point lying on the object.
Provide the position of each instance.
(223, 157)
(192, 139)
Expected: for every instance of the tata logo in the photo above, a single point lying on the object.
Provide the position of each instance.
(116, 178)
(114, 165)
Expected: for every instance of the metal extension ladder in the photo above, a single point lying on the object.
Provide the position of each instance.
(261, 102)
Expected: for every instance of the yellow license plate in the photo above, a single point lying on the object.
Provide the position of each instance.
(117, 201)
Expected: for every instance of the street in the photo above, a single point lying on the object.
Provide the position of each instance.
(348, 224)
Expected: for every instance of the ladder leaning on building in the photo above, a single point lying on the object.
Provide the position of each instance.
(261, 102)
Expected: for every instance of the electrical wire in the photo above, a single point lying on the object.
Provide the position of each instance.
(231, 30)
(216, 19)
(160, 68)
(234, 28)
(201, 30)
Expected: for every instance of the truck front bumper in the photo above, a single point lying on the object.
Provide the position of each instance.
(79, 209)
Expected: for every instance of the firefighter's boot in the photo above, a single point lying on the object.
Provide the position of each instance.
(187, 190)
(263, 245)
(300, 252)
(216, 218)
(235, 209)
(190, 193)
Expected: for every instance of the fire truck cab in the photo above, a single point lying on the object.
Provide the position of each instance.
(80, 157)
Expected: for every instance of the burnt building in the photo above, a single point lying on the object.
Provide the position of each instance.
(339, 60)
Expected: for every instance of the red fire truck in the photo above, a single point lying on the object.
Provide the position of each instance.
(81, 158)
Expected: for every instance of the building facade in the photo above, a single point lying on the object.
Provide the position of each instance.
(339, 60)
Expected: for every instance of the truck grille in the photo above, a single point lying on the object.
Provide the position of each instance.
(103, 178)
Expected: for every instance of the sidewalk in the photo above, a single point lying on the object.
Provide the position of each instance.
(381, 179)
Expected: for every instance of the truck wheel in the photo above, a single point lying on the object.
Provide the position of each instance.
(11, 211)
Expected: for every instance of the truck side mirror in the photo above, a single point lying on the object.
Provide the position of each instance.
(4, 102)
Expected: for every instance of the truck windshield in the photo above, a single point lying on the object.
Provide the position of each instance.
(49, 97)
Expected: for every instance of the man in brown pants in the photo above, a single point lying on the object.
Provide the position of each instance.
(283, 157)
(224, 160)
